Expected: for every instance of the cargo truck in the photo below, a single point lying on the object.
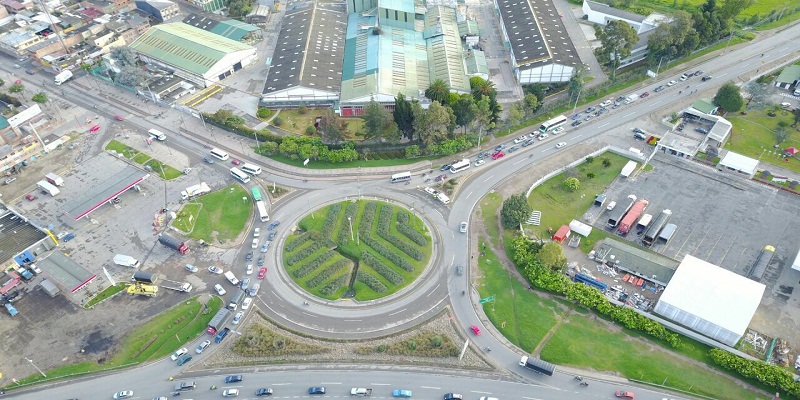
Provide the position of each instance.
(173, 243)
(632, 215)
(126, 261)
(54, 179)
(361, 392)
(619, 211)
(144, 277)
(176, 286)
(63, 76)
(537, 365)
(218, 321)
(652, 232)
(195, 190)
(631, 98)
(48, 188)
(643, 223)
(236, 298)
(762, 262)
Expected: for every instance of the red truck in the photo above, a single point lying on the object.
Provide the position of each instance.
(632, 215)
(173, 243)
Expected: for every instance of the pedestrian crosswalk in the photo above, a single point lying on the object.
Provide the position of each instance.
(535, 218)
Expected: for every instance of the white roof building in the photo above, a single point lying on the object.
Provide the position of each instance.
(710, 300)
(739, 163)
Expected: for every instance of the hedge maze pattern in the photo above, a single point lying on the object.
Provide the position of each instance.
(391, 250)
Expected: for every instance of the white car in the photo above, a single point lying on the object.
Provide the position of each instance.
(558, 130)
(249, 270)
(219, 289)
(431, 191)
(123, 394)
(786, 105)
(561, 144)
(237, 317)
(190, 268)
(463, 227)
(35, 269)
(672, 83)
(202, 346)
(256, 232)
(519, 140)
(178, 353)
(255, 244)
(480, 162)
(246, 303)
(606, 103)
(215, 270)
(543, 136)
(230, 393)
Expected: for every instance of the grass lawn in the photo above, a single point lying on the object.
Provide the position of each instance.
(187, 217)
(157, 338)
(490, 205)
(297, 123)
(352, 164)
(559, 206)
(164, 171)
(752, 135)
(223, 215)
(605, 350)
(130, 153)
(762, 7)
(106, 293)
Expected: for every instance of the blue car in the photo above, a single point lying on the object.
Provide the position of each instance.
(401, 393)
(316, 390)
(575, 116)
(233, 379)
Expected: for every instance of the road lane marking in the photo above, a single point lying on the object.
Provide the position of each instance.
(530, 398)
(475, 391)
(488, 179)
(380, 384)
(721, 75)
(352, 320)
(603, 125)
(397, 312)
(627, 115)
(331, 383)
(430, 387)
(576, 137)
(470, 194)
(433, 291)
(521, 160)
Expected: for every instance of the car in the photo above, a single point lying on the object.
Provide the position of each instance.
(658, 88)
(230, 392)
(498, 155)
(254, 245)
(94, 129)
(528, 143)
(237, 317)
(179, 353)
(513, 149)
(262, 273)
(264, 392)
(444, 167)
(561, 144)
(622, 394)
(30, 71)
(17, 66)
(236, 162)
(119, 118)
(185, 359)
(590, 109)
(588, 118)
(253, 290)
(452, 396)
(248, 256)
(220, 290)
(698, 72)
(9, 180)
(249, 269)
(499, 147)
(558, 130)
(202, 346)
(683, 77)
(543, 136)
(480, 162)
(190, 268)
(485, 154)
(489, 398)
(463, 227)
(208, 160)
(706, 78)
(519, 140)
(671, 83)
(245, 283)
(233, 378)
(701, 130)
(272, 235)
(576, 123)
(23, 59)
(256, 232)
(643, 95)
(316, 390)
(260, 261)
(160, 398)
(30, 197)
(637, 130)
(459, 270)
(246, 303)
(786, 105)
(611, 205)
(576, 116)
(123, 394)
(401, 393)
(273, 225)
(639, 136)
(440, 178)
(265, 247)
(215, 270)
(35, 269)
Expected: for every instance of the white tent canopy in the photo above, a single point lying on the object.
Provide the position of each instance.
(580, 228)
(739, 163)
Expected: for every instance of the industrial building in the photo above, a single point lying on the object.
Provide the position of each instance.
(710, 300)
(196, 55)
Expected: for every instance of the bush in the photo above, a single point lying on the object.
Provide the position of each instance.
(305, 252)
(297, 242)
(407, 230)
(302, 110)
(436, 341)
(311, 265)
(412, 345)
(333, 285)
(773, 376)
(277, 121)
(382, 268)
(381, 348)
(330, 220)
(326, 273)
(263, 113)
(310, 130)
(384, 222)
(369, 280)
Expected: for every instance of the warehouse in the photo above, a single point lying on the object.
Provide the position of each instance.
(710, 300)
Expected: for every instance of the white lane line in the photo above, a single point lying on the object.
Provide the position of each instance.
(627, 115)
(656, 103)
(353, 320)
(475, 391)
(397, 312)
(521, 160)
(470, 194)
(530, 398)
(431, 387)
(331, 383)
(578, 136)
(488, 179)
(380, 384)
(721, 75)
(603, 125)
(433, 291)
(281, 384)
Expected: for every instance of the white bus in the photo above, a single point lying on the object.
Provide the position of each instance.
(554, 123)
(156, 134)
(241, 176)
(460, 166)
(251, 169)
(262, 211)
(219, 154)
(401, 177)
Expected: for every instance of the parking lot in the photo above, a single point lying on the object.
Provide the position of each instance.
(726, 220)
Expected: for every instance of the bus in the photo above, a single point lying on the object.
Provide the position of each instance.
(241, 176)
(262, 211)
(219, 154)
(401, 177)
(256, 194)
(554, 123)
(251, 169)
(156, 134)
(460, 166)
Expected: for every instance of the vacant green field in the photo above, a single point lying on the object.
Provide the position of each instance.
(187, 217)
(297, 123)
(106, 293)
(160, 169)
(752, 136)
(223, 216)
(559, 207)
(322, 258)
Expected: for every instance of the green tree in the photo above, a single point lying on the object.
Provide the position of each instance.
(131, 76)
(606, 162)
(124, 56)
(552, 256)
(483, 117)
(516, 112)
(40, 98)
(465, 109)
(432, 125)
(495, 110)
(438, 91)
(731, 8)
(781, 132)
(482, 88)
(575, 87)
(376, 119)
(515, 210)
(729, 98)
(537, 89)
(795, 115)
(532, 103)
(16, 88)
(333, 129)
(404, 116)
(413, 151)
(616, 42)
(571, 184)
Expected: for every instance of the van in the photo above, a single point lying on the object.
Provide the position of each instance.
(156, 134)
(796, 92)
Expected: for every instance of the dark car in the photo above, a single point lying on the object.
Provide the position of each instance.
(698, 73)
(639, 136)
(444, 167)
(643, 95)
(273, 225)
(271, 236)
(264, 392)
(620, 99)
(499, 147)
(30, 71)
(316, 390)
(577, 122)
(233, 379)
(513, 149)
(453, 396)
(590, 109)
(249, 256)
(706, 78)
(208, 160)
(527, 143)
(260, 261)
(183, 360)
(637, 130)
(658, 88)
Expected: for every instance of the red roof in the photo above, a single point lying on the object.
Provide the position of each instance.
(562, 233)
(792, 151)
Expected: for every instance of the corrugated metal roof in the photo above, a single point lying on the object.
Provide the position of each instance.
(233, 29)
(476, 63)
(399, 5)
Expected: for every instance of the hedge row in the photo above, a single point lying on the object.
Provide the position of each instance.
(771, 375)
(311, 265)
(305, 252)
(330, 219)
(382, 268)
(333, 285)
(371, 281)
(384, 222)
(388, 253)
(407, 230)
(326, 273)
(297, 242)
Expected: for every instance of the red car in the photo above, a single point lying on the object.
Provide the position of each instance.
(497, 155)
(236, 162)
(262, 273)
(624, 395)
(643, 95)
(119, 118)
(94, 129)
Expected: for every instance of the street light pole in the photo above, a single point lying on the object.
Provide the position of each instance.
(34, 366)
(351, 228)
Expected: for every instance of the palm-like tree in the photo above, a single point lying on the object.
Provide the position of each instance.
(438, 91)
(483, 88)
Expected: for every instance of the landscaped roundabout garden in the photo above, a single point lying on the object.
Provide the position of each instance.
(357, 249)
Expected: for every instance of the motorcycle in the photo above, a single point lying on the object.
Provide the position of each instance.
(584, 384)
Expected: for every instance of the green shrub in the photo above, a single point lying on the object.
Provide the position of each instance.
(263, 113)
(436, 341)
(313, 264)
(382, 268)
(326, 273)
(277, 121)
(381, 348)
(330, 220)
(297, 242)
(412, 345)
(408, 231)
(302, 110)
(334, 285)
(369, 280)
(773, 376)
(305, 252)
(384, 222)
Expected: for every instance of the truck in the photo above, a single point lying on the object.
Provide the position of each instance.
(195, 190)
(619, 211)
(631, 98)
(361, 392)
(185, 385)
(632, 215)
(48, 188)
(63, 76)
(218, 321)
(54, 179)
(537, 365)
(144, 277)
(236, 298)
(126, 261)
(762, 262)
(643, 222)
(652, 232)
(142, 289)
(185, 287)
(173, 243)
(231, 278)
(26, 274)
(11, 310)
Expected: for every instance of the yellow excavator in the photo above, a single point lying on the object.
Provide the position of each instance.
(141, 289)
